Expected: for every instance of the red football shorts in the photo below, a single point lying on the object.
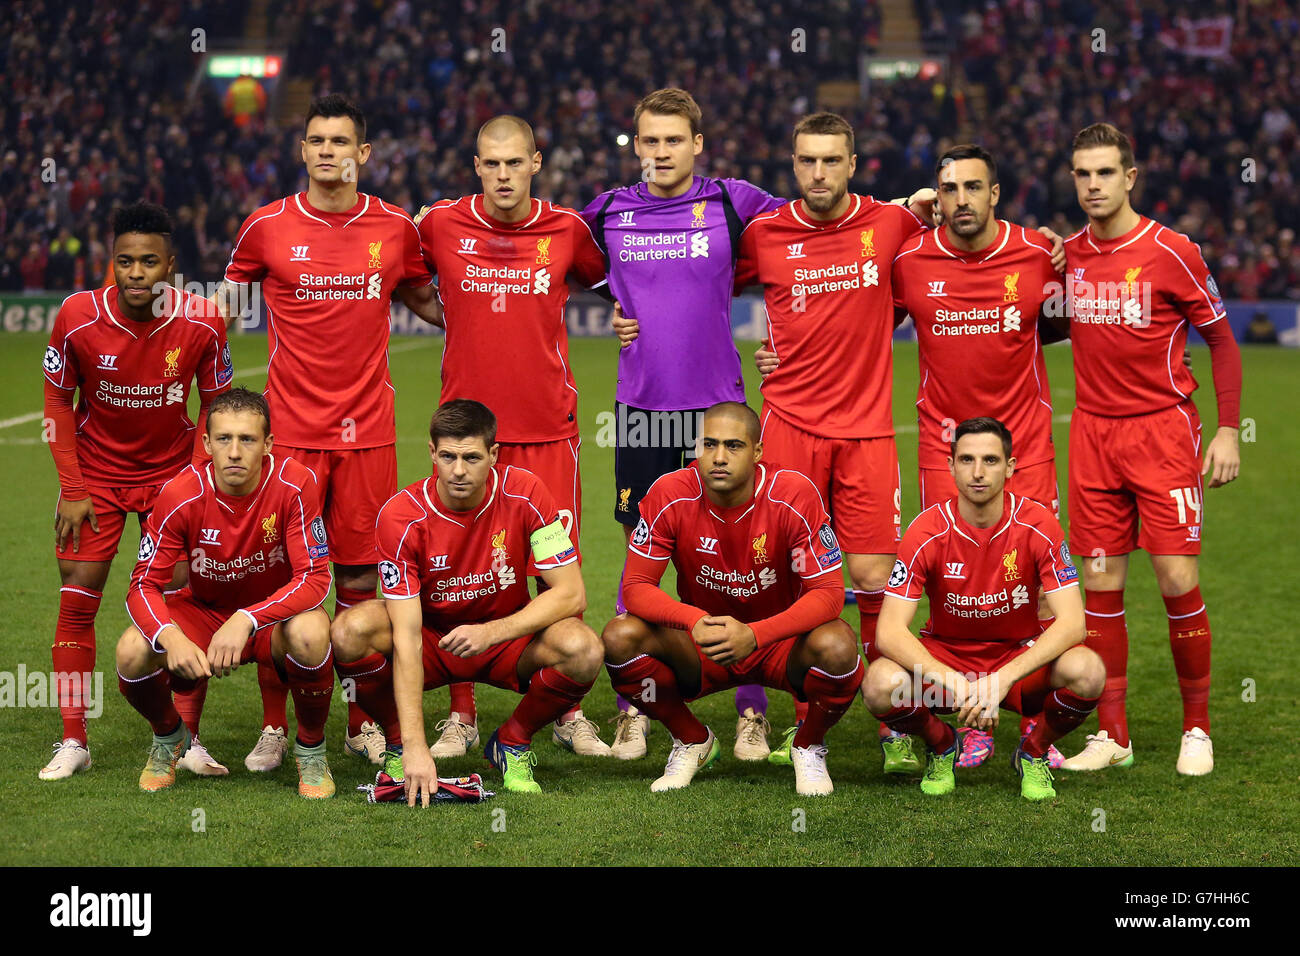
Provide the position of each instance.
(111, 505)
(497, 665)
(556, 464)
(766, 666)
(1033, 481)
(354, 484)
(858, 480)
(200, 622)
(1136, 483)
(976, 658)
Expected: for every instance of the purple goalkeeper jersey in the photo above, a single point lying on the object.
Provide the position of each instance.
(672, 266)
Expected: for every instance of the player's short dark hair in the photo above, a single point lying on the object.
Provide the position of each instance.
(240, 399)
(336, 104)
(823, 124)
(741, 413)
(968, 151)
(982, 426)
(144, 217)
(463, 418)
(1104, 134)
(670, 101)
(503, 125)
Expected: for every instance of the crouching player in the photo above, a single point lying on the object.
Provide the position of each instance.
(456, 551)
(980, 557)
(759, 575)
(249, 526)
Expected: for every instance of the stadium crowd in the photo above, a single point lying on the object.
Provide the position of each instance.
(132, 123)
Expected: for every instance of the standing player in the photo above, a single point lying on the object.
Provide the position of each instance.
(1135, 437)
(249, 526)
(980, 556)
(671, 242)
(824, 261)
(975, 289)
(329, 261)
(457, 549)
(131, 349)
(760, 581)
(502, 259)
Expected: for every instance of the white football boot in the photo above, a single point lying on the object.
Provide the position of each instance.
(456, 737)
(268, 753)
(751, 737)
(630, 732)
(684, 761)
(70, 756)
(580, 736)
(811, 778)
(369, 744)
(1099, 753)
(1196, 753)
(197, 760)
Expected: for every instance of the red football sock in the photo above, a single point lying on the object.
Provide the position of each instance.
(345, 598)
(73, 652)
(372, 678)
(1063, 710)
(275, 696)
(800, 711)
(312, 688)
(1108, 636)
(188, 702)
(667, 707)
(151, 696)
(829, 696)
(549, 695)
(462, 702)
(1189, 639)
(869, 609)
(915, 719)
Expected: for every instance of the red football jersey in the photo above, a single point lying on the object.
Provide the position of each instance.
(134, 378)
(503, 290)
(830, 313)
(982, 582)
(752, 561)
(264, 553)
(327, 282)
(470, 567)
(1131, 299)
(976, 316)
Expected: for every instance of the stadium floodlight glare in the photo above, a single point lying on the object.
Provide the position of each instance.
(240, 64)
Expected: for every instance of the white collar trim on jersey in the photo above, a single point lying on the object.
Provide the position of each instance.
(365, 204)
(853, 211)
(430, 499)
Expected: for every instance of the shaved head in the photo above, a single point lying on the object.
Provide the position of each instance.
(500, 128)
(737, 412)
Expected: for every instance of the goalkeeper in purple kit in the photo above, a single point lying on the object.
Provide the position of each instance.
(671, 242)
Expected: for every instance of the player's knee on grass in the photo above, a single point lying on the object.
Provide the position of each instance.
(623, 638)
(581, 652)
(355, 633)
(135, 658)
(307, 637)
(885, 686)
(1082, 671)
(833, 647)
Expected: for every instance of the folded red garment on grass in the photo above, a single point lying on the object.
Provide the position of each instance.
(455, 789)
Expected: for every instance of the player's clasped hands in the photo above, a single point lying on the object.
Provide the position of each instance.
(466, 640)
(421, 775)
(69, 518)
(982, 701)
(227, 645)
(626, 329)
(724, 639)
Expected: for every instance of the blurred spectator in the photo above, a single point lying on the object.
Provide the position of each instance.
(1261, 330)
(245, 100)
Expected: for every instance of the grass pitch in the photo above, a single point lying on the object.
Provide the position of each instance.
(601, 811)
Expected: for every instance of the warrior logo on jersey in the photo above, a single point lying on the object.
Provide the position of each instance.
(898, 575)
(760, 548)
(642, 533)
(1130, 279)
(171, 357)
(623, 495)
(544, 251)
(1009, 283)
(376, 262)
(53, 360)
(697, 213)
(269, 533)
(389, 575)
(147, 547)
(868, 243)
(1009, 562)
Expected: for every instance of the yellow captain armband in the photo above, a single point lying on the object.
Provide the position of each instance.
(550, 542)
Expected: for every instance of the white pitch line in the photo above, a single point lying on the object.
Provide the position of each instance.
(246, 373)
